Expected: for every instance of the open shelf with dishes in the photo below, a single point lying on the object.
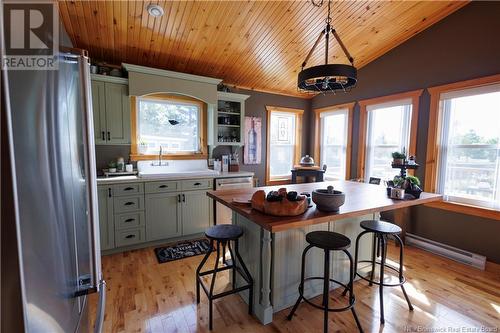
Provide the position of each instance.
(229, 119)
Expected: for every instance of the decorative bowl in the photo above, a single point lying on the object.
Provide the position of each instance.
(328, 200)
(307, 161)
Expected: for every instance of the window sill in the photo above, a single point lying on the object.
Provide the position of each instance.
(283, 181)
(136, 157)
(466, 209)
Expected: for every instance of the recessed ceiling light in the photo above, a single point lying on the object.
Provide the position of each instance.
(155, 10)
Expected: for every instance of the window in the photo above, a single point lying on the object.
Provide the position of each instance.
(388, 131)
(284, 147)
(469, 146)
(333, 140)
(390, 125)
(173, 123)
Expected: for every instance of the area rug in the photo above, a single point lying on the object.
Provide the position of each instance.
(182, 250)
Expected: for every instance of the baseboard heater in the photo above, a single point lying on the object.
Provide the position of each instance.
(447, 251)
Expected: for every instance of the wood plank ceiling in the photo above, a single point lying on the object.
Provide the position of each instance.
(250, 44)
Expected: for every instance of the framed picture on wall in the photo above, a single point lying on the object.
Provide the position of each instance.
(252, 150)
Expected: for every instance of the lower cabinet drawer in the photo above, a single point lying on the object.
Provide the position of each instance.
(128, 204)
(161, 187)
(128, 189)
(130, 236)
(197, 184)
(129, 220)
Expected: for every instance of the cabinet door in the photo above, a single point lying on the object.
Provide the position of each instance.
(197, 212)
(117, 114)
(162, 216)
(99, 111)
(106, 223)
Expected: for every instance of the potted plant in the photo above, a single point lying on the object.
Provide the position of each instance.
(398, 158)
(398, 191)
(389, 184)
(112, 166)
(412, 186)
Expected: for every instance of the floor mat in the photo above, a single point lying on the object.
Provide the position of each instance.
(182, 250)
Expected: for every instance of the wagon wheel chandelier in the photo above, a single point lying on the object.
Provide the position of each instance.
(327, 78)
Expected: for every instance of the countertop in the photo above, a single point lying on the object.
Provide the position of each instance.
(134, 179)
(361, 199)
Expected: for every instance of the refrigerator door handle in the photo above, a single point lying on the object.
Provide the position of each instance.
(101, 306)
(90, 171)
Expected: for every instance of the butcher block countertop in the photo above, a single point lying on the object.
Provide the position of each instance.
(361, 199)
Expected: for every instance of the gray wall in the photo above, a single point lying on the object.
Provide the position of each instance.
(463, 46)
(255, 106)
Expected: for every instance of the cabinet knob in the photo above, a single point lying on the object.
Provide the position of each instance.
(109, 136)
(130, 236)
(129, 220)
(197, 184)
(128, 188)
(103, 136)
(183, 198)
(163, 186)
(129, 203)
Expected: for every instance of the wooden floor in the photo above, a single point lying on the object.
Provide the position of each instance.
(144, 296)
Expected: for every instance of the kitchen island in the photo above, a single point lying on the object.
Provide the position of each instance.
(272, 246)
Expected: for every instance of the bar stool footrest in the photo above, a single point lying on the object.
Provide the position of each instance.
(349, 306)
(402, 281)
(228, 292)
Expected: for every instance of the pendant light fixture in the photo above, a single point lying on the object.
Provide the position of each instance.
(327, 78)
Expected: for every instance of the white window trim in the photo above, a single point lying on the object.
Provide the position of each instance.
(323, 115)
(297, 141)
(406, 128)
(442, 153)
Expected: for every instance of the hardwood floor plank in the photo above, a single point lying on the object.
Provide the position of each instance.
(144, 296)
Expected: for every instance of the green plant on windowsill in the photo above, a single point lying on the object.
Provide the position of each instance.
(413, 181)
(398, 158)
(412, 186)
(398, 182)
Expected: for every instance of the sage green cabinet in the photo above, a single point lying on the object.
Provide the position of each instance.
(197, 212)
(98, 107)
(133, 214)
(106, 221)
(117, 113)
(163, 217)
(111, 107)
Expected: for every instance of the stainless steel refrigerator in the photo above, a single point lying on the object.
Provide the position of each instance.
(56, 233)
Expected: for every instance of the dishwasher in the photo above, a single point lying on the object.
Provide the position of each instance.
(223, 215)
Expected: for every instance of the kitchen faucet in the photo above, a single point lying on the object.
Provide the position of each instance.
(160, 163)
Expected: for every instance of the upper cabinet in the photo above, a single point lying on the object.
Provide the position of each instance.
(228, 120)
(111, 107)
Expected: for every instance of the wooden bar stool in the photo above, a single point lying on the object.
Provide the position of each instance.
(328, 241)
(381, 231)
(223, 234)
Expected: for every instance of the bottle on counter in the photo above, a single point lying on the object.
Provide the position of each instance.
(252, 143)
(120, 164)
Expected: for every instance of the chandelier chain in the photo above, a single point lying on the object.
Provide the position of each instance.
(327, 78)
(329, 18)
